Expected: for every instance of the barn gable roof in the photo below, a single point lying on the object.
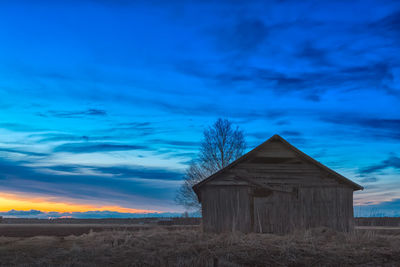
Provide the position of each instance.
(301, 154)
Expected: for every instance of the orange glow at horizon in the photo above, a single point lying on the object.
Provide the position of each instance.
(12, 201)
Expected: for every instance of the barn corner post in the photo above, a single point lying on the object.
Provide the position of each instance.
(276, 188)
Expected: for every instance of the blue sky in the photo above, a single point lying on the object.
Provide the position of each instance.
(103, 103)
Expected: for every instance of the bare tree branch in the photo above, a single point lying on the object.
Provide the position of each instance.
(222, 144)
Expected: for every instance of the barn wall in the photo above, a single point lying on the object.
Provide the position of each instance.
(311, 207)
(238, 208)
(332, 207)
(304, 195)
(275, 213)
(226, 209)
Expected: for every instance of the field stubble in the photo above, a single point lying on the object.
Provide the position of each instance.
(160, 246)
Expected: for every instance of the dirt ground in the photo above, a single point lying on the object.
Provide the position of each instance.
(163, 246)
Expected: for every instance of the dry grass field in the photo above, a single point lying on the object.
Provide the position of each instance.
(174, 246)
(60, 230)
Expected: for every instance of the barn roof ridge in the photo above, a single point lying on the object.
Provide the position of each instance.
(290, 146)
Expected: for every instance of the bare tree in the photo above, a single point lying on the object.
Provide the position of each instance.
(185, 195)
(222, 143)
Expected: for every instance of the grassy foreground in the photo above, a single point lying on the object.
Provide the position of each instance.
(161, 247)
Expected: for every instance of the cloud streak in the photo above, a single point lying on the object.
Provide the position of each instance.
(378, 128)
(90, 147)
(75, 114)
(391, 162)
(23, 152)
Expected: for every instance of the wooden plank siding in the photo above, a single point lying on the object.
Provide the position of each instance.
(312, 207)
(226, 209)
(276, 189)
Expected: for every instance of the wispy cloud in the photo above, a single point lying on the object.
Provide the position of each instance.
(291, 133)
(379, 128)
(376, 77)
(175, 143)
(90, 147)
(57, 137)
(24, 152)
(74, 114)
(391, 162)
(123, 171)
(382, 123)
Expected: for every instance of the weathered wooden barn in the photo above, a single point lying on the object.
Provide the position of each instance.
(276, 188)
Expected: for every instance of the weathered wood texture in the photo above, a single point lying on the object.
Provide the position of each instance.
(226, 209)
(276, 190)
(311, 207)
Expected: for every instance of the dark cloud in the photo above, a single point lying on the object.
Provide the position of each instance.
(89, 147)
(115, 132)
(24, 152)
(245, 36)
(135, 124)
(313, 54)
(352, 78)
(282, 122)
(382, 123)
(57, 137)
(378, 128)
(74, 114)
(144, 129)
(290, 133)
(139, 129)
(310, 84)
(391, 162)
(388, 26)
(176, 143)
